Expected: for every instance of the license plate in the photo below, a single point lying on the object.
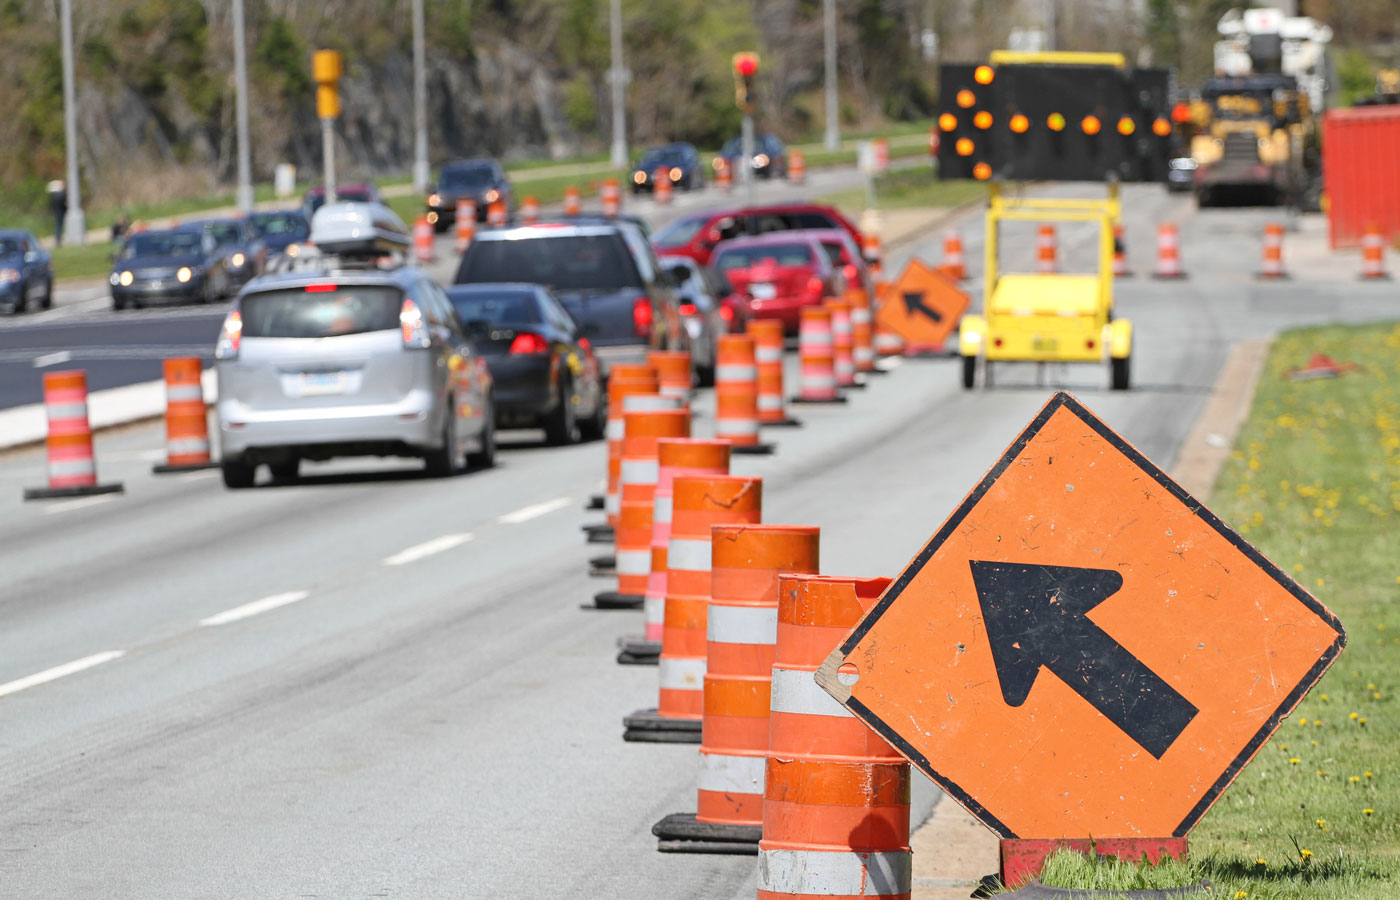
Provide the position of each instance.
(1045, 345)
(763, 291)
(313, 383)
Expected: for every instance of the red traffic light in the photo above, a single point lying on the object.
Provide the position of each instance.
(746, 64)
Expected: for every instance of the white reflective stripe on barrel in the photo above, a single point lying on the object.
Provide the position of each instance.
(633, 562)
(68, 468)
(727, 774)
(185, 446)
(768, 354)
(650, 402)
(735, 373)
(681, 674)
(183, 392)
(615, 430)
(835, 873)
(726, 624)
(688, 554)
(860, 316)
(770, 402)
(661, 509)
(640, 471)
(612, 503)
(737, 427)
(654, 609)
(57, 412)
(817, 338)
(796, 691)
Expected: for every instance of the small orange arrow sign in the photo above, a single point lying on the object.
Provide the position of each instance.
(922, 306)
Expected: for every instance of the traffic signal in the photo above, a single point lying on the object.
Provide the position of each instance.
(326, 71)
(1053, 117)
(745, 68)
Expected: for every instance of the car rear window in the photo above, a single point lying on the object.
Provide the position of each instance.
(161, 244)
(747, 257)
(679, 232)
(496, 307)
(566, 263)
(308, 313)
(833, 252)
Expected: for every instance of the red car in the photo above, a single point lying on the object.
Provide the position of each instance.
(779, 274)
(845, 253)
(697, 235)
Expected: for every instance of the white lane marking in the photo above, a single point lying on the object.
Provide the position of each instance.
(890, 363)
(52, 359)
(57, 672)
(535, 511)
(257, 606)
(427, 548)
(196, 476)
(79, 503)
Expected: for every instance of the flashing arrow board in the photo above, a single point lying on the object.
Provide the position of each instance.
(1082, 649)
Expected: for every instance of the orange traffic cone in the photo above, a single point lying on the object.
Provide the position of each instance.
(465, 224)
(797, 167)
(736, 394)
(817, 372)
(573, 201)
(862, 330)
(874, 251)
(1168, 253)
(529, 210)
(496, 214)
(661, 185)
(1045, 250)
(611, 196)
(422, 239)
(186, 419)
(1271, 266)
(724, 178)
(842, 343)
(72, 467)
(1373, 254)
(953, 265)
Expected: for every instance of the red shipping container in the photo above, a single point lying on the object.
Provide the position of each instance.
(1361, 172)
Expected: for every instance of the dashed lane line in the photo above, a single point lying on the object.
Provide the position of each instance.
(247, 610)
(57, 672)
(427, 548)
(534, 511)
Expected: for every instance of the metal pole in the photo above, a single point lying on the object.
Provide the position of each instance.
(833, 125)
(74, 222)
(1050, 25)
(240, 77)
(619, 91)
(420, 103)
(746, 172)
(328, 155)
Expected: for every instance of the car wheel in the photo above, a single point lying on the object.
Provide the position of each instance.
(561, 425)
(287, 470)
(596, 425)
(48, 293)
(705, 374)
(1121, 372)
(21, 304)
(118, 304)
(485, 458)
(969, 372)
(442, 462)
(237, 473)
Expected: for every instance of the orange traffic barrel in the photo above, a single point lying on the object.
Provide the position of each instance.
(736, 394)
(724, 177)
(874, 253)
(636, 486)
(676, 458)
(673, 371)
(661, 185)
(573, 200)
(1271, 265)
(862, 330)
(836, 795)
(623, 380)
(816, 355)
(530, 210)
(888, 343)
(767, 337)
(1373, 254)
(697, 504)
(496, 213)
(742, 630)
(422, 239)
(1045, 263)
(953, 255)
(797, 167)
(1120, 253)
(465, 224)
(1168, 252)
(842, 343)
(71, 465)
(610, 194)
(186, 419)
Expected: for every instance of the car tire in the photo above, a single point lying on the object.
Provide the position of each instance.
(969, 372)
(286, 471)
(1120, 373)
(485, 458)
(237, 473)
(561, 424)
(118, 304)
(705, 375)
(441, 462)
(48, 294)
(595, 426)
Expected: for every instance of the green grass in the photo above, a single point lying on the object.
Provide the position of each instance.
(87, 261)
(1314, 483)
(908, 189)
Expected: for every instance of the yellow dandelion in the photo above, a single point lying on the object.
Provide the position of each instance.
(1259, 861)
(1321, 774)
(1323, 697)
(1314, 743)
(1354, 779)
(1305, 853)
(1367, 775)
(1321, 823)
(1317, 722)
(1375, 695)
(1302, 720)
(1294, 760)
(1240, 895)
(1371, 686)
(1361, 721)
(1368, 811)
(1355, 716)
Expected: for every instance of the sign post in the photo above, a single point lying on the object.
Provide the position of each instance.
(1083, 655)
(326, 71)
(745, 68)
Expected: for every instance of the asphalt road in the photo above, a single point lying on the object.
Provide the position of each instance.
(451, 726)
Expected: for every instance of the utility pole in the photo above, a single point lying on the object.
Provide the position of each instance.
(74, 222)
(326, 69)
(420, 103)
(745, 68)
(833, 125)
(240, 77)
(1050, 25)
(618, 76)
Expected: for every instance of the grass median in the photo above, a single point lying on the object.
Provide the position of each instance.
(1314, 483)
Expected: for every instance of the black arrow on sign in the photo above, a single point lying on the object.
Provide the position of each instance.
(1036, 616)
(914, 302)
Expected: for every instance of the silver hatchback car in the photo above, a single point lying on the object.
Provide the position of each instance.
(345, 358)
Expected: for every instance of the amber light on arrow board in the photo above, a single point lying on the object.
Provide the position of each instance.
(963, 147)
(981, 171)
(983, 74)
(982, 120)
(966, 98)
(948, 122)
(1091, 125)
(1126, 126)
(1161, 127)
(1019, 123)
(1056, 122)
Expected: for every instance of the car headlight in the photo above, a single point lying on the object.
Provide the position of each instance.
(717, 163)
(8, 275)
(126, 278)
(760, 160)
(238, 260)
(292, 249)
(184, 274)
(639, 177)
(434, 199)
(675, 173)
(492, 196)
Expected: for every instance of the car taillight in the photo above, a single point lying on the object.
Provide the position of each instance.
(687, 309)
(526, 343)
(815, 286)
(585, 343)
(849, 270)
(415, 330)
(641, 316)
(726, 311)
(230, 336)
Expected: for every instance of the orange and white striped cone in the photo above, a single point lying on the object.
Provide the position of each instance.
(1045, 263)
(697, 505)
(1373, 254)
(71, 465)
(874, 251)
(816, 357)
(186, 419)
(422, 239)
(636, 489)
(676, 458)
(1120, 253)
(674, 373)
(836, 795)
(1168, 252)
(724, 177)
(953, 265)
(797, 167)
(623, 380)
(1271, 264)
(529, 210)
(465, 224)
(767, 337)
(862, 330)
(742, 631)
(661, 186)
(842, 343)
(573, 201)
(496, 214)
(610, 195)
(736, 394)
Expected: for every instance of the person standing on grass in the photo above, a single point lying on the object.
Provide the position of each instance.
(58, 202)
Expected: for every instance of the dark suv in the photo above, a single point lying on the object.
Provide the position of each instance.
(482, 181)
(605, 274)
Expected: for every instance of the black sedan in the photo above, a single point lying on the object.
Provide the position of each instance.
(482, 181)
(26, 272)
(243, 248)
(545, 373)
(280, 228)
(680, 163)
(178, 264)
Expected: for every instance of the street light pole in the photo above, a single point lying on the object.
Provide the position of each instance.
(618, 76)
(75, 222)
(420, 103)
(240, 76)
(833, 126)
